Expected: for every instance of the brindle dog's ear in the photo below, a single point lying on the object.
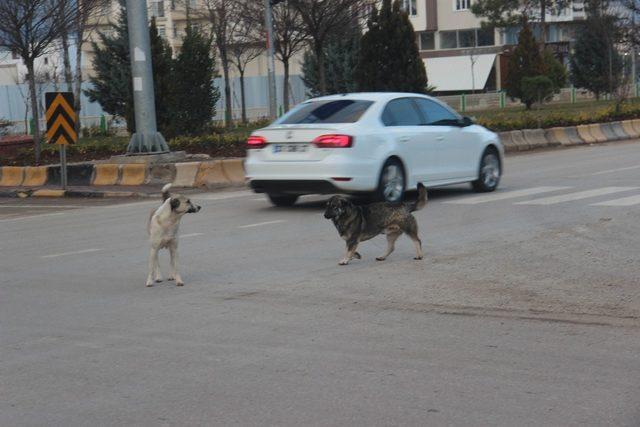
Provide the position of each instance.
(174, 204)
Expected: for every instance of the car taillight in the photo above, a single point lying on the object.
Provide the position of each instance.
(256, 142)
(333, 141)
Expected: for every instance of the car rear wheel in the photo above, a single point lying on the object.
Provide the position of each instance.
(490, 172)
(282, 200)
(392, 183)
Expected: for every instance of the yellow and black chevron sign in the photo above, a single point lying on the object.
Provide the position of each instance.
(61, 119)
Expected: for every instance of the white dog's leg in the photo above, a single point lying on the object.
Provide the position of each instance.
(173, 251)
(156, 272)
(153, 264)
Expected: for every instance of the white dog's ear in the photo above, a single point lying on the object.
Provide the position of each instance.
(174, 204)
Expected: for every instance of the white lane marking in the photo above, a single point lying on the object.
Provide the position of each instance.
(625, 201)
(261, 223)
(224, 196)
(607, 171)
(43, 206)
(32, 216)
(85, 251)
(505, 195)
(576, 196)
(191, 235)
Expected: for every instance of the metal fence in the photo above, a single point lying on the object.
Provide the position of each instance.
(14, 104)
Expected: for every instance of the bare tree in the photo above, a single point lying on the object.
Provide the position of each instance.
(30, 28)
(87, 16)
(288, 33)
(244, 49)
(322, 18)
(222, 16)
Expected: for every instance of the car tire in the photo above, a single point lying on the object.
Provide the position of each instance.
(282, 200)
(489, 173)
(392, 183)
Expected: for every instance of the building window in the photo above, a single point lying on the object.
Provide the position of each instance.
(448, 40)
(467, 38)
(462, 4)
(157, 8)
(161, 31)
(410, 7)
(173, 4)
(46, 61)
(486, 37)
(427, 40)
(175, 31)
(193, 3)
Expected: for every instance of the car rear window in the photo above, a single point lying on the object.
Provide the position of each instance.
(339, 111)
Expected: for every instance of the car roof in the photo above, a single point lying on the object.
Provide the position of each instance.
(368, 96)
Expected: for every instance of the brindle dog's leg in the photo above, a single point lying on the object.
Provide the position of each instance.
(418, 243)
(351, 252)
(391, 241)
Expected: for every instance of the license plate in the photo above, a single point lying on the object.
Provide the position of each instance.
(290, 148)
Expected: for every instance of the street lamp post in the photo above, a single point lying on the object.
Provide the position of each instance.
(271, 67)
(146, 139)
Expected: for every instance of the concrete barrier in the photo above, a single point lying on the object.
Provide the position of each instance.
(572, 134)
(608, 132)
(80, 174)
(186, 174)
(46, 192)
(507, 141)
(630, 129)
(12, 176)
(35, 176)
(535, 138)
(234, 170)
(133, 174)
(106, 174)
(584, 131)
(619, 131)
(211, 174)
(557, 136)
(161, 173)
(596, 131)
(636, 125)
(518, 138)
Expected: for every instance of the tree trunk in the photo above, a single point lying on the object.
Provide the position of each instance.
(242, 99)
(77, 90)
(543, 23)
(228, 118)
(34, 110)
(68, 78)
(321, 72)
(285, 86)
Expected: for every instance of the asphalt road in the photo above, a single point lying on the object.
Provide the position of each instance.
(524, 312)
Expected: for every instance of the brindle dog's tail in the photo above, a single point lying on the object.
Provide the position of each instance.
(421, 201)
(165, 192)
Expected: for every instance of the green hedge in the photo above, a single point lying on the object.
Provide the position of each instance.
(505, 121)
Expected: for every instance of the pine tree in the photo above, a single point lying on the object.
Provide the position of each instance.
(340, 59)
(389, 57)
(596, 65)
(554, 70)
(195, 96)
(163, 78)
(111, 84)
(525, 61)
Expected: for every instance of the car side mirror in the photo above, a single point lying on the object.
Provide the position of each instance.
(466, 121)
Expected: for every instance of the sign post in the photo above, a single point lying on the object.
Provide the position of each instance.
(61, 122)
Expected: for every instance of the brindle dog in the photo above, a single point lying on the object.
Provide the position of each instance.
(359, 223)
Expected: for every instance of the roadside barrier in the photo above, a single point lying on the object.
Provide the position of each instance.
(211, 174)
(133, 174)
(216, 173)
(186, 174)
(106, 174)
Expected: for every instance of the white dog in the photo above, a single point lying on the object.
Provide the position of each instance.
(163, 233)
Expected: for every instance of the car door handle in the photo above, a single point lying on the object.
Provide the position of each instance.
(439, 138)
(404, 139)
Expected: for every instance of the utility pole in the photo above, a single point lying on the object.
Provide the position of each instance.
(633, 50)
(146, 139)
(271, 66)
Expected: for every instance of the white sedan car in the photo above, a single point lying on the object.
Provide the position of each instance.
(376, 143)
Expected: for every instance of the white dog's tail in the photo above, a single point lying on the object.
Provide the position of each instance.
(165, 192)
